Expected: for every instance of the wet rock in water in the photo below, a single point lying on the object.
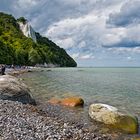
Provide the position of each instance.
(71, 101)
(13, 89)
(111, 116)
(54, 101)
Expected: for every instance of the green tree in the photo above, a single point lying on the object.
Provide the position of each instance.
(34, 57)
(21, 56)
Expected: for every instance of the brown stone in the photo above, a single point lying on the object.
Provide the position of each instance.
(71, 101)
(54, 101)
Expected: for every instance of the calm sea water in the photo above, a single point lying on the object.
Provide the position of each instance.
(119, 87)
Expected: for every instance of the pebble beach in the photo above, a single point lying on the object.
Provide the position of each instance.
(46, 121)
(24, 122)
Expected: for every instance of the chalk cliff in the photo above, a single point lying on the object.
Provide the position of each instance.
(27, 30)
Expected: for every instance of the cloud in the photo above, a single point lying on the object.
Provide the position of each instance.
(129, 58)
(88, 56)
(67, 43)
(127, 38)
(82, 31)
(83, 56)
(126, 43)
(128, 14)
(94, 32)
(75, 55)
(122, 50)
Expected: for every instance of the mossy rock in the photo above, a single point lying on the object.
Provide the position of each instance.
(111, 116)
(127, 123)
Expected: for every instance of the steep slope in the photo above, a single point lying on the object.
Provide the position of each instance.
(20, 44)
(54, 54)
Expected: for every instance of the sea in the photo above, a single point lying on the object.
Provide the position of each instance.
(119, 87)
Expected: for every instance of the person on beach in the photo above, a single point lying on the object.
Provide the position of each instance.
(3, 69)
(0, 68)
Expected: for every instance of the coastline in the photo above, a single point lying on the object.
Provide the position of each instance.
(20, 121)
(63, 127)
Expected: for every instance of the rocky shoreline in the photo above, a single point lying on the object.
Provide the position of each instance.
(24, 122)
(20, 121)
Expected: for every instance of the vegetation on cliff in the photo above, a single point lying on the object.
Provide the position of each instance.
(15, 48)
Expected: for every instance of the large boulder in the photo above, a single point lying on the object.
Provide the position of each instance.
(111, 116)
(13, 89)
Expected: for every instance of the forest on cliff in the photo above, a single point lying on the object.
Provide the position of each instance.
(16, 48)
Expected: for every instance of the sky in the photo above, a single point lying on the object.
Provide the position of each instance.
(93, 32)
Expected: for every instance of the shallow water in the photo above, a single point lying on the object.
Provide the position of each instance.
(119, 87)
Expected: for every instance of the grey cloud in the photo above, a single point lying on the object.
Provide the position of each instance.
(43, 13)
(129, 38)
(81, 31)
(124, 43)
(129, 14)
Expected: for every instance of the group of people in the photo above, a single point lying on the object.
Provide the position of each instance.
(2, 69)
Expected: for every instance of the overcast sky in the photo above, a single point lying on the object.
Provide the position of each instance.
(93, 32)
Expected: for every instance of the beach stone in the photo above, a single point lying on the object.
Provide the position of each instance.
(71, 101)
(54, 101)
(111, 116)
(11, 88)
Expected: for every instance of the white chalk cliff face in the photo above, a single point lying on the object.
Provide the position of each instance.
(27, 30)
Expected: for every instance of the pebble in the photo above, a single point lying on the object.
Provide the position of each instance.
(20, 122)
